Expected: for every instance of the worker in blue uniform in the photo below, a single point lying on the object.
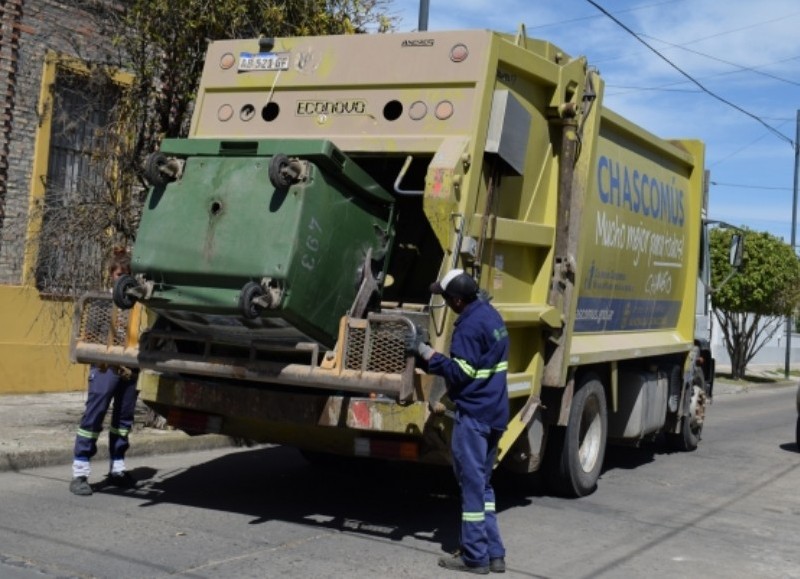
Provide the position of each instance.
(107, 385)
(476, 376)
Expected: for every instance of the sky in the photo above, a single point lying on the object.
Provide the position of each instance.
(740, 93)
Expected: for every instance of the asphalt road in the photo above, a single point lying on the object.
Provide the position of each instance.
(729, 510)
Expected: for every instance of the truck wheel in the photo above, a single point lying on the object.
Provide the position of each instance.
(575, 453)
(693, 416)
(120, 296)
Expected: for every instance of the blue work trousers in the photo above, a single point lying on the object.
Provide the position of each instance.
(107, 386)
(474, 451)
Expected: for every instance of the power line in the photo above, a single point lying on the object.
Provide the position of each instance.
(776, 132)
(750, 144)
(718, 34)
(664, 87)
(753, 25)
(594, 16)
(722, 60)
(738, 186)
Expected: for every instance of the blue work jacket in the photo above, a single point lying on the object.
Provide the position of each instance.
(477, 368)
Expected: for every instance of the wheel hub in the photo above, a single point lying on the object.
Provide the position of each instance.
(591, 433)
(697, 407)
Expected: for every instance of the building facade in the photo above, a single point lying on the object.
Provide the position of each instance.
(45, 47)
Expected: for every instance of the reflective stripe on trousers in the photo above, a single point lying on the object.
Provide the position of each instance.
(474, 451)
(106, 387)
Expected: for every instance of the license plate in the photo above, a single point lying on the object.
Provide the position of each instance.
(263, 61)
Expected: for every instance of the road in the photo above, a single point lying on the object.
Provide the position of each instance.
(731, 509)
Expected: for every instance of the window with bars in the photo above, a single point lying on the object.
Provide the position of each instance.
(75, 214)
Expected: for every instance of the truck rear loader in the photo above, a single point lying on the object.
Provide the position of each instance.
(287, 245)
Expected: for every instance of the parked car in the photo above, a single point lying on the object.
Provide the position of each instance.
(797, 428)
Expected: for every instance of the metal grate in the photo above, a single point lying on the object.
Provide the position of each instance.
(101, 322)
(378, 346)
(356, 338)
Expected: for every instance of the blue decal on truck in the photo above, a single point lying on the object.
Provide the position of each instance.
(606, 314)
(640, 193)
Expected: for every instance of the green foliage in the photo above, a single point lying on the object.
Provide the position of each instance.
(160, 46)
(766, 284)
(165, 42)
(751, 305)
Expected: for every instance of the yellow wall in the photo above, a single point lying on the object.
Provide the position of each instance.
(34, 344)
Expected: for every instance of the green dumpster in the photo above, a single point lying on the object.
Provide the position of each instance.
(233, 241)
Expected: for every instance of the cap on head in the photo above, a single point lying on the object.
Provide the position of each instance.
(456, 283)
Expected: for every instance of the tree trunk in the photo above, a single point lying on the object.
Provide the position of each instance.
(739, 360)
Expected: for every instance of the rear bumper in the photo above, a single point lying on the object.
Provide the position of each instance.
(370, 357)
(315, 421)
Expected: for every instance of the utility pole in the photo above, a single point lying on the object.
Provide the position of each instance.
(794, 245)
(423, 15)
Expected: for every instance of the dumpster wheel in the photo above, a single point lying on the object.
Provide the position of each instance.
(251, 291)
(152, 169)
(120, 296)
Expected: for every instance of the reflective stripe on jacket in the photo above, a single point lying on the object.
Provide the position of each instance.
(477, 368)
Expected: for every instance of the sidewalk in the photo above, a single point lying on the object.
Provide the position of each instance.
(39, 430)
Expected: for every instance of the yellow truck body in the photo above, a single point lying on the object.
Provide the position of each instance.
(499, 158)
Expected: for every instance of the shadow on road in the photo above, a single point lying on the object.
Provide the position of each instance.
(375, 498)
(632, 457)
(387, 500)
(629, 457)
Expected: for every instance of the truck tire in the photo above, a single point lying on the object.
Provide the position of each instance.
(692, 416)
(575, 453)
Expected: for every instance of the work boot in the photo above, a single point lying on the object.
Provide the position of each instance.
(122, 480)
(456, 563)
(80, 486)
(497, 565)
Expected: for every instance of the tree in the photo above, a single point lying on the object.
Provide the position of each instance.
(162, 45)
(166, 42)
(752, 305)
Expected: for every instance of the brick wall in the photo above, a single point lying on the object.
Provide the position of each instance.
(28, 29)
(10, 19)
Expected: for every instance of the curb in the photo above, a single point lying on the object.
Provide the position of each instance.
(750, 386)
(145, 444)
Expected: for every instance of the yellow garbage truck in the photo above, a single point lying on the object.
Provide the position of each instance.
(287, 245)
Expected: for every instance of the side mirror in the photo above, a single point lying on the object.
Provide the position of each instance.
(736, 250)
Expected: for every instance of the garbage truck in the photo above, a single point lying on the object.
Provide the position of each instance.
(288, 243)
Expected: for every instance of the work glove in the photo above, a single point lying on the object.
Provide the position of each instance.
(425, 351)
(416, 343)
